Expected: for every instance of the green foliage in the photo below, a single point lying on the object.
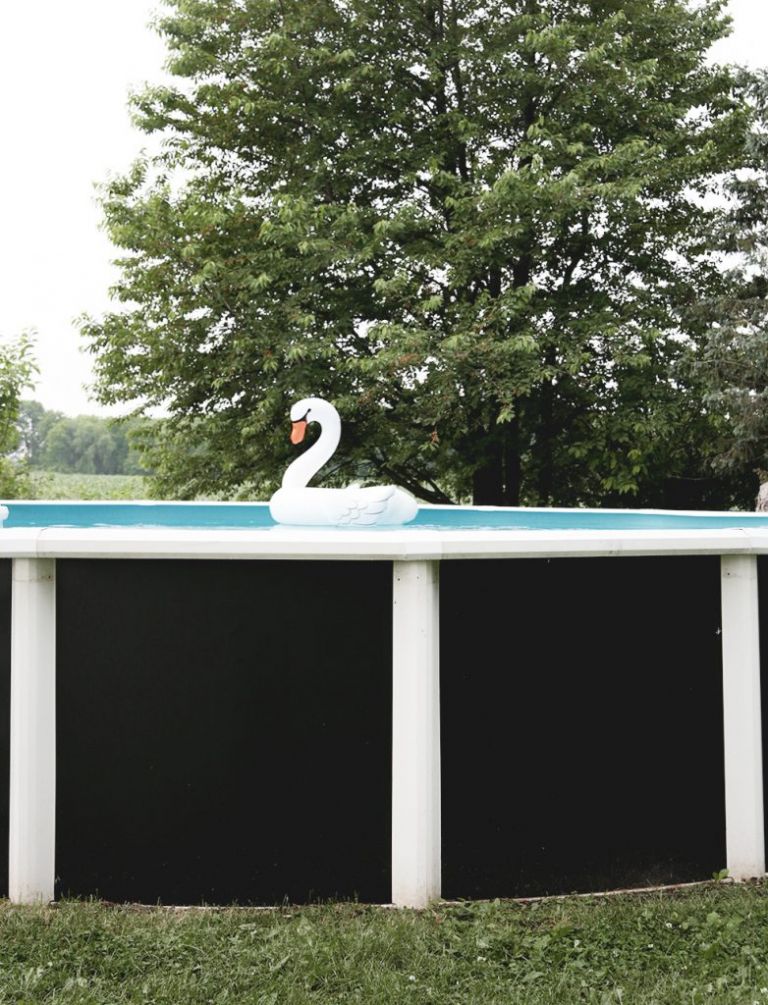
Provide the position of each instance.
(85, 444)
(703, 947)
(32, 425)
(17, 370)
(734, 364)
(55, 485)
(478, 228)
(88, 444)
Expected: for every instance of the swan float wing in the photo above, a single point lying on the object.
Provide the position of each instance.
(350, 507)
(365, 507)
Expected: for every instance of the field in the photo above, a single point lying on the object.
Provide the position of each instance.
(55, 485)
(706, 945)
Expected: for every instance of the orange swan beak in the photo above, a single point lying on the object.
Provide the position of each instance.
(298, 429)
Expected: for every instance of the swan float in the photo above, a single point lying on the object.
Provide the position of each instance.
(295, 503)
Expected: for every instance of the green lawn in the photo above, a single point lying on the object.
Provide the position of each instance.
(708, 945)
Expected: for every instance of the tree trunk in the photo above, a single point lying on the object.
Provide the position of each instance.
(546, 434)
(496, 482)
(488, 481)
(512, 472)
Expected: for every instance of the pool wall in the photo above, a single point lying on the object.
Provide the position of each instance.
(224, 729)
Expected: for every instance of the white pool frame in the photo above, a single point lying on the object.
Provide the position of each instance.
(416, 555)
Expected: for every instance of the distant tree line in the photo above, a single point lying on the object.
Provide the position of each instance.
(83, 444)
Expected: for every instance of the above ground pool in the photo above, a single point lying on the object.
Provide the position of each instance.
(206, 706)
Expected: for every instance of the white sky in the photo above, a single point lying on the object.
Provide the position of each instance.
(66, 68)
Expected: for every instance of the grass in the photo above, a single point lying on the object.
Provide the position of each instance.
(707, 945)
(56, 485)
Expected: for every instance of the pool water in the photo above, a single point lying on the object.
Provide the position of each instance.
(246, 516)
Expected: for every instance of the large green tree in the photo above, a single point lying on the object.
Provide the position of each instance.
(478, 227)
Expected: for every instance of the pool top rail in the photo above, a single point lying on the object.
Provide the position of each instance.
(245, 530)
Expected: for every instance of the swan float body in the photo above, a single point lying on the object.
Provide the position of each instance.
(353, 506)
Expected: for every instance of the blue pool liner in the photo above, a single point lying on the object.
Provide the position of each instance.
(255, 516)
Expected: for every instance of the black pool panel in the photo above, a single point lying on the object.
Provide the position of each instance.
(224, 730)
(581, 724)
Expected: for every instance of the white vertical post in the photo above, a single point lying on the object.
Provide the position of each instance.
(33, 731)
(415, 734)
(744, 821)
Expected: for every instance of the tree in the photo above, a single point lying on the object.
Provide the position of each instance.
(33, 423)
(83, 444)
(89, 444)
(734, 363)
(477, 227)
(17, 369)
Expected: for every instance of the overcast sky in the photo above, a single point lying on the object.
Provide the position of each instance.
(66, 68)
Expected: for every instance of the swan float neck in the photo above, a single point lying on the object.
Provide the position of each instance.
(304, 468)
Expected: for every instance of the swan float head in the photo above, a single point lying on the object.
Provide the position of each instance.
(295, 503)
(311, 410)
